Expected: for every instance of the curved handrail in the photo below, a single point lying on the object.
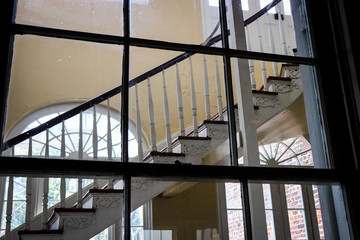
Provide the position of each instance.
(82, 107)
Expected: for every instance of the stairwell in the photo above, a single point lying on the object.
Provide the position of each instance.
(102, 206)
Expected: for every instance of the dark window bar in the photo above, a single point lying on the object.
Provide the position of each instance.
(40, 167)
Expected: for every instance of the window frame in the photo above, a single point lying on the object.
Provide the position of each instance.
(329, 61)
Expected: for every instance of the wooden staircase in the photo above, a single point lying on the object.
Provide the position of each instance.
(103, 207)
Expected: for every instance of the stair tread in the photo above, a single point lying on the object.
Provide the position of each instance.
(163, 154)
(192, 138)
(265, 92)
(106, 190)
(279, 78)
(74, 210)
(21, 232)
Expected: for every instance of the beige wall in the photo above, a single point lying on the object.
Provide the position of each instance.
(185, 213)
(49, 71)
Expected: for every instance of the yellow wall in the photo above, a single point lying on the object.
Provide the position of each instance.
(185, 213)
(49, 71)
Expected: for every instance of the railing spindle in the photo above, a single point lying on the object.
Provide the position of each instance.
(44, 218)
(251, 62)
(95, 144)
(262, 63)
(206, 91)
(167, 116)
(272, 45)
(62, 155)
(28, 204)
(80, 156)
(28, 192)
(281, 29)
(138, 127)
(9, 207)
(193, 100)
(151, 116)
(79, 194)
(180, 101)
(95, 135)
(108, 136)
(218, 91)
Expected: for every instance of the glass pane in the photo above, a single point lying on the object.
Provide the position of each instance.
(191, 21)
(297, 224)
(263, 32)
(294, 196)
(96, 16)
(51, 76)
(186, 118)
(183, 210)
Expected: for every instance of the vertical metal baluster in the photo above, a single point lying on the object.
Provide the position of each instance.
(251, 62)
(80, 156)
(206, 91)
(193, 100)
(95, 143)
(262, 63)
(9, 207)
(138, 127)
(272, 46)
(28, 192)
(167, 116)
(180, 102)
(62, 155)
(281, 28)
(109, 137)
(45, 199)
(218, 90)
(151, 116)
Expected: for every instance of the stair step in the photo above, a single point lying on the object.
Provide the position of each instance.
(163, 157)
(39, 234)
(265, 92)
(94, 190)
(191, 145)
(214, 129)
(278, 78)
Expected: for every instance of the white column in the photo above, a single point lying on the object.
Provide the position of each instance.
(180, 102)
(247, 118)
(193, 100)
(167, 116)
(151, 116)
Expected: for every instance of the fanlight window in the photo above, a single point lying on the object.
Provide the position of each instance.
(72, 134)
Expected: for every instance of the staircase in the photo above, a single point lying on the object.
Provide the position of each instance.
(102, 207)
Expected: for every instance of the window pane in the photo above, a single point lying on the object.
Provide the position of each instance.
(97, 16)
(180, 102)
(174, 21)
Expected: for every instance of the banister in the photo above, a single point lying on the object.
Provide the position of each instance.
(82, 107)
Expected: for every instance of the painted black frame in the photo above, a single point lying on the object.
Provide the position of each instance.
(336, 59)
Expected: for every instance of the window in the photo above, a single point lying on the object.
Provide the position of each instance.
(166, 182)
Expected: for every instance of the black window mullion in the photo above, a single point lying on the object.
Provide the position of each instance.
(125, 119)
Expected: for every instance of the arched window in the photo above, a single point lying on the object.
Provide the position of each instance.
(71, 127)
